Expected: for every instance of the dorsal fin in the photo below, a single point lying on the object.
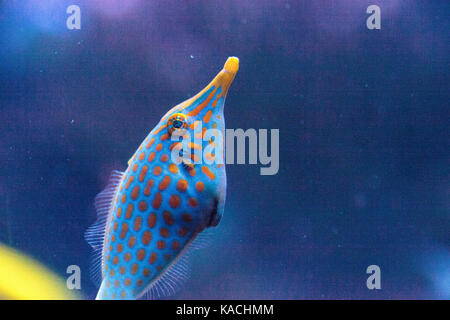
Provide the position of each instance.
(178, 272)
(95, 234)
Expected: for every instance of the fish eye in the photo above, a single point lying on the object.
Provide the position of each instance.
(177, 121)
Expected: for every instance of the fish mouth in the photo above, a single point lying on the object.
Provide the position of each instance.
(232, 65)
(227, 74)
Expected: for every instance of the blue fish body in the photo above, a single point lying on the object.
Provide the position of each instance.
(171, 191)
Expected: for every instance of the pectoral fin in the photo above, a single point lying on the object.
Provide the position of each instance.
(216, 214)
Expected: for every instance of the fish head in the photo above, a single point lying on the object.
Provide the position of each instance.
(204, 111)
(192, 134)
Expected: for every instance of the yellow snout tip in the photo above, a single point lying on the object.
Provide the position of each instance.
(232, 64)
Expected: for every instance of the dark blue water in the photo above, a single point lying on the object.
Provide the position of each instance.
(364, 136)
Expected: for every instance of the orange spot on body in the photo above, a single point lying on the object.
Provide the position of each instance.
(141, 254)
(153, 257)
(164, 137)
(164, 232)
(157, 201)
(174, 201)
(208, 173)
(157, 170)
(182, 185)
(141, 156)
(164, 158)
(207, 116)
(132, 241)
(124, 230)
(159, 147)
(168, 218)
(137, 224)
(214, 104)
(130, 180)
(143, 173)
(164, 183)
(183, 231)
(192, 202)
(149, 144)
(129, 211)
(142, 206)
(159, 129)
(161, 244)
(135, 193)
(195, 124)
(200, 186)
(173, 168)
(151, 157)
(151, 220)
(146, 237)
(148, 188)
(202, 105)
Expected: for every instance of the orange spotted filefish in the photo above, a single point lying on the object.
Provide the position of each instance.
(150, 216)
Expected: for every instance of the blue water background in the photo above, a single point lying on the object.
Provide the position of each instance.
(364, 136)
